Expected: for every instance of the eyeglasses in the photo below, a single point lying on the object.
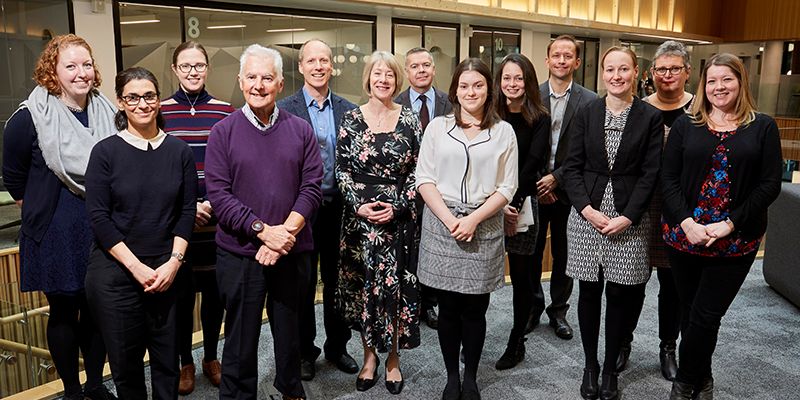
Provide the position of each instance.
(133, 99)
(186, 68)
(661, 71)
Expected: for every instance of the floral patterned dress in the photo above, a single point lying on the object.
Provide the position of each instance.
(375, 287)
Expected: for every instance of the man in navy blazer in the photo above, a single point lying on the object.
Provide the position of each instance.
(563, 97)
(315, 103)
(428, 102)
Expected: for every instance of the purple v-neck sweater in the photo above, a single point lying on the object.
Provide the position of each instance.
(252, 175)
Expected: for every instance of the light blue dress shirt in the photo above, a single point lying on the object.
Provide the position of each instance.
(413, 96)
(325, 129)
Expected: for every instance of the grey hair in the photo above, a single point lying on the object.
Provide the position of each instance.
(257, 50)
(303, 48)
(673, 48)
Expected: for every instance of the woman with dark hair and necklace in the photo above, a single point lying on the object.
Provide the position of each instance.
(518, 103)
(189, 115)
(46, 146)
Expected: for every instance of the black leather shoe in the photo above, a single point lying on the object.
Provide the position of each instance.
(624, 357)
(307, 370)
(533, 322)
(589, 388)
(680, 391)
(562, 328)
(608, 387)
(705, 391)
(452, 393)
(669, 363)
(429, 316)
(514, 354)
(395, 387)
(344, 363)
(364, 384)
(470, 394)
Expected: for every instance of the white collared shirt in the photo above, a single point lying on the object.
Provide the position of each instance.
(251, 116)
(468, 171)
(142, 143)
(558, 105)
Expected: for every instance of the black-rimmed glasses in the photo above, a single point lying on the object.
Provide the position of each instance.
(661, 71)
(186, 68)
(133, 99)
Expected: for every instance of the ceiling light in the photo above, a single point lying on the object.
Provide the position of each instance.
(286, 30)
(226, 26)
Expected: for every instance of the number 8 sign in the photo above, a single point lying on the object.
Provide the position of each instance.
(193, 27)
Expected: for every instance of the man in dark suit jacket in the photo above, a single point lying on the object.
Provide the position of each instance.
(322, 109)
(429, 103)
(563, 98)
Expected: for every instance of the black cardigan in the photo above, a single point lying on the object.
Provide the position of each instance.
(755, 165)
(636, 165)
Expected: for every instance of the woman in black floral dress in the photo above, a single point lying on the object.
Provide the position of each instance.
(376, 154)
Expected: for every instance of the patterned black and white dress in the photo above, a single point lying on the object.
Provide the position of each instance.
(624, 257)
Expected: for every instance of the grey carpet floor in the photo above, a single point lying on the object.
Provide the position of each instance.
(757, 357)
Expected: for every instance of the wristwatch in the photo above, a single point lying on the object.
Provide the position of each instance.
(257, 226)
(179, 256)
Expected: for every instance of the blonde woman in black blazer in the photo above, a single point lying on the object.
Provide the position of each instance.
(611, 171)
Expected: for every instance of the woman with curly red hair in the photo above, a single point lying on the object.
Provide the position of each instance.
(46, 148)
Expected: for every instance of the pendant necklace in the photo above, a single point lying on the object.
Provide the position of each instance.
(191, 103)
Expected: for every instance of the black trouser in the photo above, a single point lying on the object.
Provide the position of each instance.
(462, 322)
(133, 322)
(621, 308)
(706, 288)
(244, 284)
(669, 311)
(70, 327)
(523, 282)
(326, 229)
(555, 215)
(204, 281)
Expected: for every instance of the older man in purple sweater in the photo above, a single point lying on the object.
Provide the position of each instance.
(263, 176)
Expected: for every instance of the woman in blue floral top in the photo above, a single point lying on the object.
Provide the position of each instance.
(721, 170)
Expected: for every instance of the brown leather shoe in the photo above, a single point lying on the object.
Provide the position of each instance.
(213, 370)
(186, 384)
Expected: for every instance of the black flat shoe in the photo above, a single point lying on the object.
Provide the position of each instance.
(395, 387)
(705, 391)
(669, 362)
(452, 393)
(681, 391)
(624, 357)
(470, 394)
(514, 354)
(307, 370)
(364, 384)
(533, 322)
(608, 387)
(429, 317)
(589, 387)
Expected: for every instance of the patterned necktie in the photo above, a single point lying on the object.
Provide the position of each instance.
(424, 116)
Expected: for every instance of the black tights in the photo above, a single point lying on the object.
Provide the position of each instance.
(522, 281)
(622, 302)
(462, 321)
(210, 313)
(71, 328)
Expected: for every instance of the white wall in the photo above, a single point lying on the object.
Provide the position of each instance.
(98, 31)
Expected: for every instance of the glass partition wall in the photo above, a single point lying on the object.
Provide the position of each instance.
(441, 39)
(226, 33)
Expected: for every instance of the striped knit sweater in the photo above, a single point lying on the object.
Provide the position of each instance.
(194, 129)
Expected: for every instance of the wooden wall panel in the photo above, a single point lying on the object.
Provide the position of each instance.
(752, 20)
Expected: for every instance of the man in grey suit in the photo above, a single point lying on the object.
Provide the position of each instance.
(322, 109)
(428, 102)
(563, 98)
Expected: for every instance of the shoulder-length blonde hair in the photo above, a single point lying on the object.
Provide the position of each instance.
(44, 74)
(391, 62)
(745, 109)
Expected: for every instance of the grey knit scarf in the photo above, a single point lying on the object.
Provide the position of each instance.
(64, 141)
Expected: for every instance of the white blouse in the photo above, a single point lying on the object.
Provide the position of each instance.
(468, 171)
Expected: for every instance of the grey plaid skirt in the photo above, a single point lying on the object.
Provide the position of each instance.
(474, 267)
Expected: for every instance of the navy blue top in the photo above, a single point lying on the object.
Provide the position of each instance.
(141, 198)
